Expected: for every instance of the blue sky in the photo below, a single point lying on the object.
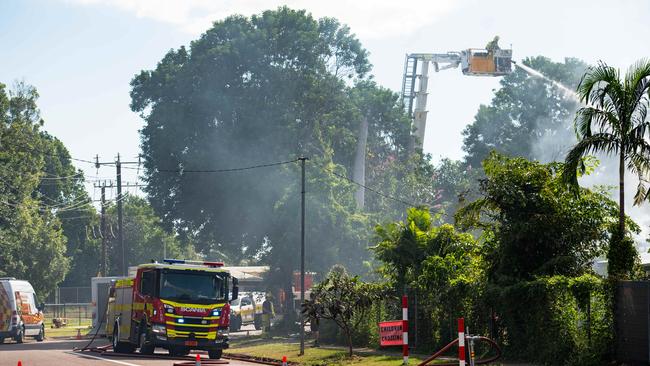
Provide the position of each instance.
(81, 54)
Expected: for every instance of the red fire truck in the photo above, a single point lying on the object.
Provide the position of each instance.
(178, 305)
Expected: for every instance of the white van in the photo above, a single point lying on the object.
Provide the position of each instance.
(20, 313)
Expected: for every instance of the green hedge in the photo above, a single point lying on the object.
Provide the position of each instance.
(547, 320)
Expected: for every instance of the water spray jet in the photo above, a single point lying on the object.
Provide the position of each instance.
(572, 94)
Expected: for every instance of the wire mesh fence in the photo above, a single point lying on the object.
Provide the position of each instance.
(69, 295)
(71, 314)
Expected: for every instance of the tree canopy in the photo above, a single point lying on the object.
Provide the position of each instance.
(32, 240)
(534, 225)
(528, 116)
(267, 89)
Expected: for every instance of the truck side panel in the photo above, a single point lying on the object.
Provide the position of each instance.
(123, 307)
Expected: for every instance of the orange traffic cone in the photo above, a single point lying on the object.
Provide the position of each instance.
(284, 360)
(78, 333)
(198, 360)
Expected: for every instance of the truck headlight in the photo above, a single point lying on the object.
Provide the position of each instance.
(169, 309)
(159, 329)
(216, 312)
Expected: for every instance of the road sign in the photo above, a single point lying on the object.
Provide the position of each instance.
(390, 333)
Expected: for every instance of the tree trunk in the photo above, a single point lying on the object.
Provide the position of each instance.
(621, 191)
(348, 334)
(359, 170)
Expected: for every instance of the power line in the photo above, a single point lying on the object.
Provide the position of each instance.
(182, 171)
(375, 191)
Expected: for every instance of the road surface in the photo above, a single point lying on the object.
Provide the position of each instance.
(59, 353)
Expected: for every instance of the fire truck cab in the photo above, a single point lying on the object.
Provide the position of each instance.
(178, 305)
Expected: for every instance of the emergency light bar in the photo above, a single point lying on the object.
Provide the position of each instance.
(199, 263)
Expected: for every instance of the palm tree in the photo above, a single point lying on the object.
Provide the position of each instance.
(614, 121)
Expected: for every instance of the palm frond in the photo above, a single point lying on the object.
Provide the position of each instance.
(599, 142)
(598, 83)
(640, 165)
(637, 78)
(603, 120)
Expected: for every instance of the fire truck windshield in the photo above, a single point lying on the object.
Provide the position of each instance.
(193, 287)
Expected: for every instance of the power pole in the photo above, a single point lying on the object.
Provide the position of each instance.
(120, 217)
(103, 263)
(302, 255)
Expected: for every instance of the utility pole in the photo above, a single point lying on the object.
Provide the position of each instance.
(120, 219)
(302, 255)
(103, 263)
(120, 216)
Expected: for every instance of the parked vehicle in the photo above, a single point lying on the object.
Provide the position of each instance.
(178, 305)
(21, 315)
(247, 309)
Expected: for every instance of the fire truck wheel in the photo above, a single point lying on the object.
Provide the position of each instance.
(120, 347)
(147, 347)
(215, 354)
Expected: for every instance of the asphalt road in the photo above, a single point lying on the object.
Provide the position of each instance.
(59, 353)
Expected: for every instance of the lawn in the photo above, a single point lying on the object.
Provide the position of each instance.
(68, 330)
(317, 356)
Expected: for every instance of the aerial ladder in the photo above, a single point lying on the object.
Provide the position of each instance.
(490, 61)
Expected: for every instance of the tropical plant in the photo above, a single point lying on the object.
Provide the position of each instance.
(614, 121)
(342, 299)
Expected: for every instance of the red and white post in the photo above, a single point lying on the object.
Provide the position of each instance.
(405, 329)
(461, 342)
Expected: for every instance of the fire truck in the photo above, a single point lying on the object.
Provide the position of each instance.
(178, 305)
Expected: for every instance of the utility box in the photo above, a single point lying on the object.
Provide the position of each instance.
(99, 287)
(633, 322)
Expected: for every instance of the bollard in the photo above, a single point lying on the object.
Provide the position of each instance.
(461, 341)
(78, 333)
(20, 363)
(284, 360)
(198, 360)
(405, 330)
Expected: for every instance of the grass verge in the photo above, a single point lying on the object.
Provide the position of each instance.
(68, 330)
(316, 356)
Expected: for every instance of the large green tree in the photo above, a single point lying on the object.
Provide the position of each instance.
(271, 88)
(256, 90)
(538, 245)
(528, 116)
(615, 122)
(533, 224)
(31, 240)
